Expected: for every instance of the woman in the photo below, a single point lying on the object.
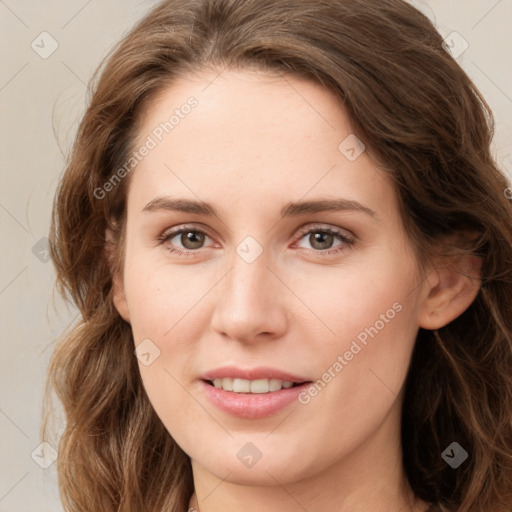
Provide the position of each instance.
(291, 249)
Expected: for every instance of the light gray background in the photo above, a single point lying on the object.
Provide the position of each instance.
(41, 101)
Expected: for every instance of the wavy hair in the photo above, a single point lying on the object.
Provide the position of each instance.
(421, 118)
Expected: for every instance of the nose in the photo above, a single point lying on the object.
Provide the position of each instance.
(250, 302)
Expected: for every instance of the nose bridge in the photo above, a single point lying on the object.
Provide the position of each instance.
(249, 302)
(248, 280)
(247, 283)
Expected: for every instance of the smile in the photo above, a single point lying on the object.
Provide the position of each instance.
(252, 386)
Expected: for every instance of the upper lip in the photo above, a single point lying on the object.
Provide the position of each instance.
(260, 372)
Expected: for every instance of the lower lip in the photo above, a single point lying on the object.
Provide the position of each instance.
(252, 405)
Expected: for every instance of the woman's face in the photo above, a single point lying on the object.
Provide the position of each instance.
(303, 274)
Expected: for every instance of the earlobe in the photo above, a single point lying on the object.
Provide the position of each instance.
(118, 291)
(119, 297)
(451, 290)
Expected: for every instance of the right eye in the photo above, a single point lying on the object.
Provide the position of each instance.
(191, 239)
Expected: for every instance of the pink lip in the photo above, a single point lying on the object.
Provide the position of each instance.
(252, 405)
(261, 372)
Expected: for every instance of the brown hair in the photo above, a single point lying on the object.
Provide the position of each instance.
(426, 124)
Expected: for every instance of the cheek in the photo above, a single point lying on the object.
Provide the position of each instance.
(162, 303)
(160, 297)
(168, 321)
(371, 300)
(362, 367)
(373, 314)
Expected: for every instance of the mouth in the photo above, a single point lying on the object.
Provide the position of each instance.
(252, 399)
(252, 393)
(257, 386)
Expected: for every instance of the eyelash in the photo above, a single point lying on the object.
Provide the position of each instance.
(347, 240)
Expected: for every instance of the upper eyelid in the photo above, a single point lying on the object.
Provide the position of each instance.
(301, 231)
(321, 227)
(184, 227)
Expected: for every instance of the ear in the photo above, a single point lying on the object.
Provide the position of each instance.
(118, 292)
(451, 288)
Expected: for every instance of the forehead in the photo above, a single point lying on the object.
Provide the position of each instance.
(259, 103)
(251, 137)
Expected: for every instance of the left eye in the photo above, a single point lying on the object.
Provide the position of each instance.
(323, 238)
(192, 239)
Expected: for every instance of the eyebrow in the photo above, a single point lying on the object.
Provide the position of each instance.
(289, 210)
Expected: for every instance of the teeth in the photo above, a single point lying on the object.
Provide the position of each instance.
(251, 386)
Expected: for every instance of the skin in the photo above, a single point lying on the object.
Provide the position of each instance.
(254, 143)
